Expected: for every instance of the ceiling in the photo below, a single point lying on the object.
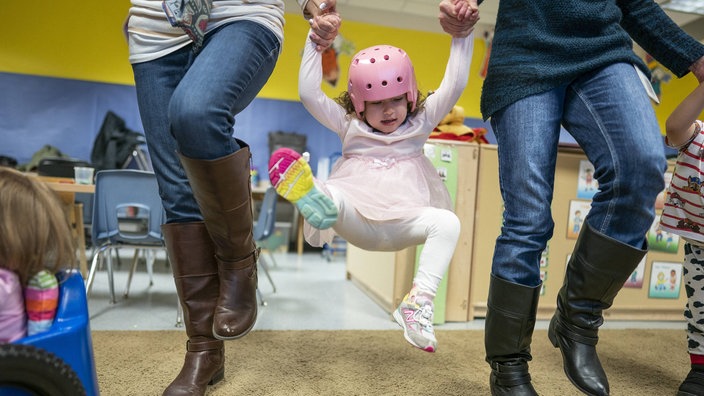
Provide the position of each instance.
(422, 14)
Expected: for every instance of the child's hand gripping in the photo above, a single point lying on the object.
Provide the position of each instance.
(325, 25)
(458, 17)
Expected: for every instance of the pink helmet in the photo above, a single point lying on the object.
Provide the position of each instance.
(381, 72)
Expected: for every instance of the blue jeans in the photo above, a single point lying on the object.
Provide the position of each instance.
(609, 114)
(188, 103)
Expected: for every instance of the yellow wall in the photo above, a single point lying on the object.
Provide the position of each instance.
(83, 40)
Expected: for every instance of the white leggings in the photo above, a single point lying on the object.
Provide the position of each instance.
(438, 229)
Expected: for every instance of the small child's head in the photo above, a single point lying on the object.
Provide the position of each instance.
(382, 87)
(34, 231)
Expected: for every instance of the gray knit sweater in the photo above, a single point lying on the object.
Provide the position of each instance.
(541, 44)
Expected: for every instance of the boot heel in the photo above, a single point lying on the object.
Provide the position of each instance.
(552, 333)
(217, 377)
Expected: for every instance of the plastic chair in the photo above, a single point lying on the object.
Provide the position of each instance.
(263, 229)
(60, 360)
(127, 212)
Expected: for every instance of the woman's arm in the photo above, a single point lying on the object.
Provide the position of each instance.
(655, 32)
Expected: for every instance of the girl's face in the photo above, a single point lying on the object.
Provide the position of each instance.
(386, 115)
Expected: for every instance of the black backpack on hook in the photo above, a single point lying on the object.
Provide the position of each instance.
(114, 144)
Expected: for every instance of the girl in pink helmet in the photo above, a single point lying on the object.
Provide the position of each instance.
(383, 194)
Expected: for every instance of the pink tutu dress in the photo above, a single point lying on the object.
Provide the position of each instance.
(384, 176)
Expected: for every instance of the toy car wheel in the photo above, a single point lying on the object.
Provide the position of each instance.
(28, 370)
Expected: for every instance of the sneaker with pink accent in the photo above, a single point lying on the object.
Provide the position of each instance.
(415, 316)
(292, 177)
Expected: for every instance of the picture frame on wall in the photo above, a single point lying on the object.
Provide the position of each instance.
(660, 239)
(635, 281)
(587, 185)
(575, 220)
(665, 280)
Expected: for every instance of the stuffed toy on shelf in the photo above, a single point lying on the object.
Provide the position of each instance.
(452, 128)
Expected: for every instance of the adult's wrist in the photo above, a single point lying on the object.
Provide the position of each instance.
(697, 69)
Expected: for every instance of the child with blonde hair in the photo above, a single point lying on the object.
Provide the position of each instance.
(383, 194)
(35, 242)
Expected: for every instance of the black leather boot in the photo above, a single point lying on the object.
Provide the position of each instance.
(508, 329)
(693, 385)
(597, 270)
(223, 191)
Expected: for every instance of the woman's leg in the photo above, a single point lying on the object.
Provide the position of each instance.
(527, 132)
(225, 76)
(609, 114)
(188, 104)
(190, 248)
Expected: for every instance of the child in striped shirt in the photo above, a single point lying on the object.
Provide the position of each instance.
(683, 215)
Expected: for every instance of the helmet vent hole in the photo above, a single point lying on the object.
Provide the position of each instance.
(386, 57)
(384, 83)
(369, 86)
(372, 60)
(399, 79)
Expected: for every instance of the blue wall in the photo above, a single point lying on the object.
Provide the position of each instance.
(67, 114)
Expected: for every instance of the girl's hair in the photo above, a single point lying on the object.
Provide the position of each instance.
(345, 101)
(34, 231)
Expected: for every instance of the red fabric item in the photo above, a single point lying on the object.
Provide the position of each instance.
(696, 359)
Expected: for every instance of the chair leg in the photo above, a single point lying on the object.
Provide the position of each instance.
(265, 267)
(111, 283)
(91, 273)
(273, 259)
(96, 262)
(261, 297)
(179, 313)
(135, 259)
(150, 258)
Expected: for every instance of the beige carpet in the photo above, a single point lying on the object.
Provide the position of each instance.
(290, 363)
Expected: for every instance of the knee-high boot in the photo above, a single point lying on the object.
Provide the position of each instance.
(224, 194)
(508, 330)
(192, 258)
(597, 270)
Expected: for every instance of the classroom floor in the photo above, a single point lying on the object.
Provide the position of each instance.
(311, 293)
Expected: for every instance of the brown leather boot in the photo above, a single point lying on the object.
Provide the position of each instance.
(224, 193)
(192, 258)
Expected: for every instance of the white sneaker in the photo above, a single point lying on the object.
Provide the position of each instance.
(415, 316)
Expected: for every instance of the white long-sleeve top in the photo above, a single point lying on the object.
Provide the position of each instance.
(386, 176)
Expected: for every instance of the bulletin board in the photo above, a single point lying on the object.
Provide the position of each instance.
(654, 292)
